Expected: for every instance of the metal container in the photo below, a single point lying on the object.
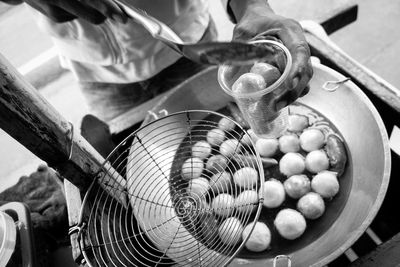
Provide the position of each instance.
(8, 237)
(16, 235)
(367, 175)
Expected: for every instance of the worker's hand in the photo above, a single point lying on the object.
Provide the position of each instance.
(94, 11)
(258, 19)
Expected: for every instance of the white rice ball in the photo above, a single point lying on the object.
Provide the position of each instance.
(260, 238)
(317, 161)
(267, 147)
(269, 72)
(311, 205)
(220, 182)
(274, 193)
(215, 137)
(226, 124)
(223, 205)
(246, 202)
(289, 143)
(297, 123)
(326, 184)
(248, 137)
(246, 177)
(229, 147)
(248, 82)
(230, 231)
(297, 186)
(192, 168)
(201, 149)
(312, 139)
(198, 187)
(290, 223)
(216, 163)
(253, 135)
(291, 164)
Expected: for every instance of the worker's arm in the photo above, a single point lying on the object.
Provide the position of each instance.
(255, 17)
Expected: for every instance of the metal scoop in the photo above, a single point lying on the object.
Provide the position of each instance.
(213, 53)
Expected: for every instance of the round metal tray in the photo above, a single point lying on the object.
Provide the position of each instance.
(357, 120)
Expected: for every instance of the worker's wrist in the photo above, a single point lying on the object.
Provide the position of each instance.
(241, 8)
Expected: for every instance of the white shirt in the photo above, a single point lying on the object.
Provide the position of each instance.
(124, 53)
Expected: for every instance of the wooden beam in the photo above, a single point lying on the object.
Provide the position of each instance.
(386, 254)
(339, 18)
(33, 122)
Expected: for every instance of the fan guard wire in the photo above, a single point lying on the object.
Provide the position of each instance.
(171, 221)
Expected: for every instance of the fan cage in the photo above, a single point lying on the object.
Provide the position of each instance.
(171, 220)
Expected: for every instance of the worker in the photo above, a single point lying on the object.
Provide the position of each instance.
(119, 65)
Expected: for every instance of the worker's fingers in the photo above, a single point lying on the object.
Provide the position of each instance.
(304, 74)
(301, 72)
(292, 36)
(299, 76)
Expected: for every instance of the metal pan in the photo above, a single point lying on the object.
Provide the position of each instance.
(366, 178)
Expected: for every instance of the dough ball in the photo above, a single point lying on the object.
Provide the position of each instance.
(290, 224)
(312, 139)
(246, 177)
(216, 163)
(297, 122)
(274, 193)
(311, 205)
(297, 186)
(246, 202)
(192, 168)
(229, 147)
(226, 124)
(259, 239)
(246, 140)
(270, 73)
(317, 161)
(326, 184)
(207, 226)
(291, 164)
(248, 82)
(230, 231)
(215, 137)
(223, 205)
(289, 143)
(248, 137)
(201, 149)
(220, 182)
(253, 135)
(198, 186)
(267, 147)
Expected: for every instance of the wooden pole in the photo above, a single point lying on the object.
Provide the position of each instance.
(32, 121)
